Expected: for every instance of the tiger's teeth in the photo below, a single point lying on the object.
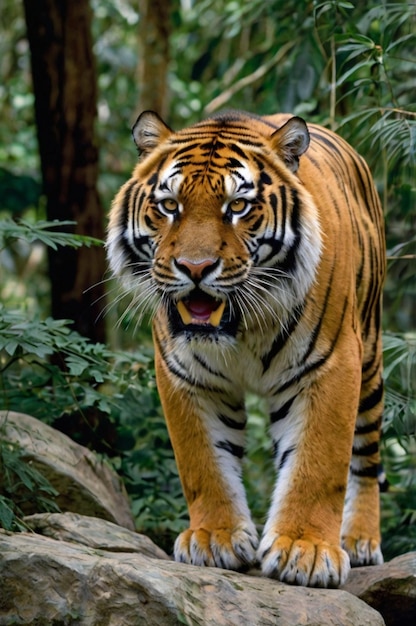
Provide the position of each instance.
(184, 313)
(215, 317)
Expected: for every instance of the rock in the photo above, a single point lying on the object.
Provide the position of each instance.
(92, 570)
(105, 581)
(389, 588)
(92, 532)
(85, 483)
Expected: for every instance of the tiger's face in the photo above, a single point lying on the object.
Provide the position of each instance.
(214, 227)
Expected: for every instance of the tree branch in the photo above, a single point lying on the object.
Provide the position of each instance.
(223, 98)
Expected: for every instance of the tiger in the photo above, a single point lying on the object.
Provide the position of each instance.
(256, 244)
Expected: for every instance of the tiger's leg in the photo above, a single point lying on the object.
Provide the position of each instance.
(312, 430)
(361, 523)
(208, 450)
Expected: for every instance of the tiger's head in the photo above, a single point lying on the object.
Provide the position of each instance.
(214, 225)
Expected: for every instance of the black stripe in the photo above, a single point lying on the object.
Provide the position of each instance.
(176, 371)
(366, 429)
(125, 204)
(313, 160)
(283, 210)
(315, 364)
(228, 446)
(367, 186)
(281, 339)
(234, 408)
(372, 400)
(377, 316)
(152, 181)
(235, 148)
(265, 178)
(373, 363)
(326, 141)
(273, 206)
(255, 227)
(231, 423)
(233, 163)
(286, 454)
(208, 368)
(367, 450)
(275, 449)
(316, 330)
(368, 472)
(189, 148)
(141, 243)
(281, 413)
(150, 225)
(372, 296)
(275, 246)
(289, 262)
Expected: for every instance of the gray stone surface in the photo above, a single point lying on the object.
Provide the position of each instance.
(93, 532)
(50, 581)
(389, 588)
(85, 483)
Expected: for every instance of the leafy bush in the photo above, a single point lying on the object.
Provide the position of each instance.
(20, 485)
(399, 444)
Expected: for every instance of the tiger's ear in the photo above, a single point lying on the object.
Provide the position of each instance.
(291, 141)
(148, 131)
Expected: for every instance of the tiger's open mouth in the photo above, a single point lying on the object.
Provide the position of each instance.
(199, 308)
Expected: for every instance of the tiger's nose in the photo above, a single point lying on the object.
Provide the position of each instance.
(197, 269)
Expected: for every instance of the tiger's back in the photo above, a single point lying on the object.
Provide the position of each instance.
(260, 247)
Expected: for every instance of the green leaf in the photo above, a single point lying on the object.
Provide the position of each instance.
(44, 231)
(7, 515)
(353, 70)
(76, 365)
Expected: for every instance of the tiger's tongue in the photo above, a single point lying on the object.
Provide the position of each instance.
(201, 311)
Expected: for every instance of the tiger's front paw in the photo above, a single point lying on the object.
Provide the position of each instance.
(229, 549)
(362, 550)
(303, 562)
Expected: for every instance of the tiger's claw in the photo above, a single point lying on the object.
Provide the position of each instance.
(362, 551)
(303, 562)
(228, 549)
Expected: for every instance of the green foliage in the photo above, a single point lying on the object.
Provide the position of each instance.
(149, 470)
(42, 232)
(399, 444)
(18, 148)
(36, 385)
(21, 486)
(372, 58)
(400, 376)
(258, 467)
(250, 55)
(102, 399)
(18, 191)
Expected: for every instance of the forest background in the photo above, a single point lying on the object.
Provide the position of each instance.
(74, 77)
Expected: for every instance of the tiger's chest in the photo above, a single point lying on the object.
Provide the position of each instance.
(256, 361)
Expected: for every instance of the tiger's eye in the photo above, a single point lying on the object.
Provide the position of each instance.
(238, 205)
(169, 205)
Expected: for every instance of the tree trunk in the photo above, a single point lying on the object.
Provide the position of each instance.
(154, 34)
(64, 80)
